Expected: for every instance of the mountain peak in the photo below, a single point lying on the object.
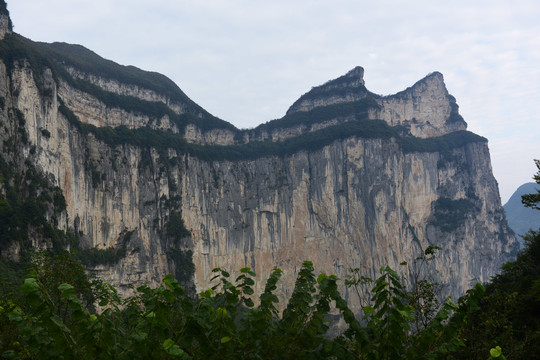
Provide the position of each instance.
(426, 109)
(347, 88)
(6, 26)
(521, 218)
(356, 73)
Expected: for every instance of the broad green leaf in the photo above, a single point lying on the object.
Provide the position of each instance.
(177, 352)
(221, 312)
(169, 296)
(406, 314)
(169, 280)
(368, 310)
(167, 344)
(9, 354)
(496, 352)
(139, 336)
(65, 287)
(245, 270)
(248, 290)
(207, 293)
(68, 291)
(29, 285)
(225, 339)
(392, 272)
(58, 322)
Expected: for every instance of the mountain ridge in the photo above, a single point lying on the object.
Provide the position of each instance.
(520, 218)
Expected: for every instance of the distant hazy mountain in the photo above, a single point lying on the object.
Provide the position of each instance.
(521, 218)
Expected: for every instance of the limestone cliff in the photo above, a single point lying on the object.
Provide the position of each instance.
(425, 109)
(346, 179)
(6, 27)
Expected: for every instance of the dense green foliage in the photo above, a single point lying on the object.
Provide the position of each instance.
(509, 314)
(533, 200)
(185, 269)
(30, 208)
(443, 144)
(3, 8)
(108, 256)
(31, 204)
(52, 316)
(94, 256)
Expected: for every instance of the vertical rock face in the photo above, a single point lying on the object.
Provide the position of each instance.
(5, 22)
(357, 203)
(335, 187)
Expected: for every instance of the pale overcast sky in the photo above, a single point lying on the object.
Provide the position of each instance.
(247, 61)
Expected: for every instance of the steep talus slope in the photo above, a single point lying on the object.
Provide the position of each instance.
(128, 164)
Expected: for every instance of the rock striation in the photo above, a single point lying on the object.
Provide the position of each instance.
(346, 178)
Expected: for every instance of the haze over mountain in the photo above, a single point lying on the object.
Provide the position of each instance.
(520, 218)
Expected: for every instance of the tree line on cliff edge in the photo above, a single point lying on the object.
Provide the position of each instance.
(59, 312)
